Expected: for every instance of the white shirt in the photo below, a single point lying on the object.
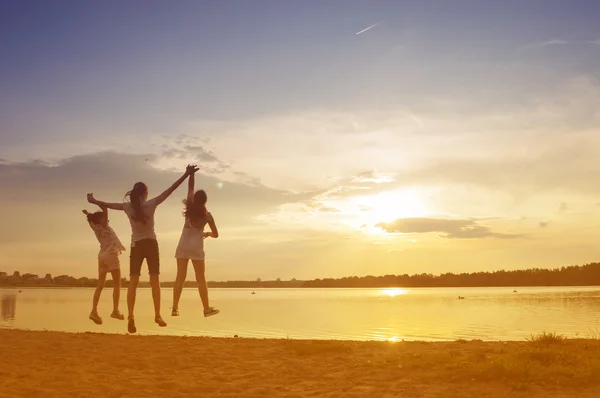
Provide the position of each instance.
(109, 241)
(139, 229)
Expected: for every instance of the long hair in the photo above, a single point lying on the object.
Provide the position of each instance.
(197, 209)
(135, 197)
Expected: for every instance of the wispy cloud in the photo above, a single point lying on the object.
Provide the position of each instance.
(542, 44)
(556, 42)
(450, 228)
(562, 208)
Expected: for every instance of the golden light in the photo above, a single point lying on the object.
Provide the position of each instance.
(393, 292)
(387, 207)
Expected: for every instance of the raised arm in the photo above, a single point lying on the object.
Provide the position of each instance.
(102, 205)
(190, 195)
(190, 169)
(104, 221)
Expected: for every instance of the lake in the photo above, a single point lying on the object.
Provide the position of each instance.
(429, 314)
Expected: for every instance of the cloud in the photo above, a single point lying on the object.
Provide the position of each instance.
(326, 209)
(372, 177)
(542, 44)
(558, 42)
(572, 166)
(543, 224)
(563, 208)
(450, 228)
(38, 197)
(189, 149)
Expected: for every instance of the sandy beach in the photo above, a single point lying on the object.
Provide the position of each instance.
(44, 364)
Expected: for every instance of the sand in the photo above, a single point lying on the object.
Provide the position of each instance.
(55, 364)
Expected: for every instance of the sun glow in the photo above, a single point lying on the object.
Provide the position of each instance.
(393, 292)
(371, 210)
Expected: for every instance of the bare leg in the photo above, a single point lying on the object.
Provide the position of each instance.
(182, 264)
(199, 268)
(155, 285)
(99, 287)
(131, 290)
(116, 278)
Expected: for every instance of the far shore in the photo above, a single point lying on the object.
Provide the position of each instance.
(211, 286)
(43, 364)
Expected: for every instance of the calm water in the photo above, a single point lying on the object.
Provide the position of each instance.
(357, 314)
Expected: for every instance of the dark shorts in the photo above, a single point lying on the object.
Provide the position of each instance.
(144, 249)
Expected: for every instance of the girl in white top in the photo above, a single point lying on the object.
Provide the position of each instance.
(144, 245)
(108, 261)
(191, 246)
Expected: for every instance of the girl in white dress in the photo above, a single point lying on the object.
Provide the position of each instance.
(191, 246)
(108, 261)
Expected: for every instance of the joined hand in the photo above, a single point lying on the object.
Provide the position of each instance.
(191, 169)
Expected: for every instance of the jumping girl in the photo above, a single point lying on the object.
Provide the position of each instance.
(144, 245)
(191, 247)
(108, 261)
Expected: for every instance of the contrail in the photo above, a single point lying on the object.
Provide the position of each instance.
(370, 27)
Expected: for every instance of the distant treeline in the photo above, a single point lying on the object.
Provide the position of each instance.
(585, 275)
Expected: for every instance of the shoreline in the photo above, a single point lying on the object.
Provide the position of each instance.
(45, 363)
(190, 286)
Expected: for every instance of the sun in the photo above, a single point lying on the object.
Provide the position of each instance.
(388, 206)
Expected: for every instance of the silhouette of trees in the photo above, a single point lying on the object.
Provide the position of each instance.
(585, 275)
(29, 278)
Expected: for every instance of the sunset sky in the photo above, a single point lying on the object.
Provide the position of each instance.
(453, 136)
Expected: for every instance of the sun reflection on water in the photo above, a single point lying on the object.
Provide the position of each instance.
(393, 292)
(395, 339)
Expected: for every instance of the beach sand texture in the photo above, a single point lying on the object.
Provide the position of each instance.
(54, 364)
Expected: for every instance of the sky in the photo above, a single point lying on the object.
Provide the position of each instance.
(452, 136)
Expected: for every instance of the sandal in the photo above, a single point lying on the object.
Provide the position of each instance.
(210, 312)
(159, 321)
(117, 315)
(131, 325)
(96, 318)
(174, 312)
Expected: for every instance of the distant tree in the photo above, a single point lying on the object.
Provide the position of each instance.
(48, 278)
(29, 277)
(3, 274)
(278, 280)
(83, 281)
(17, 275)
(64, 280)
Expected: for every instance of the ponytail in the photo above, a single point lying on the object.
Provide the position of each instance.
(135, 197)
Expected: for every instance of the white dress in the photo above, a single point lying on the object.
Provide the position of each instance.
(191, 243)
